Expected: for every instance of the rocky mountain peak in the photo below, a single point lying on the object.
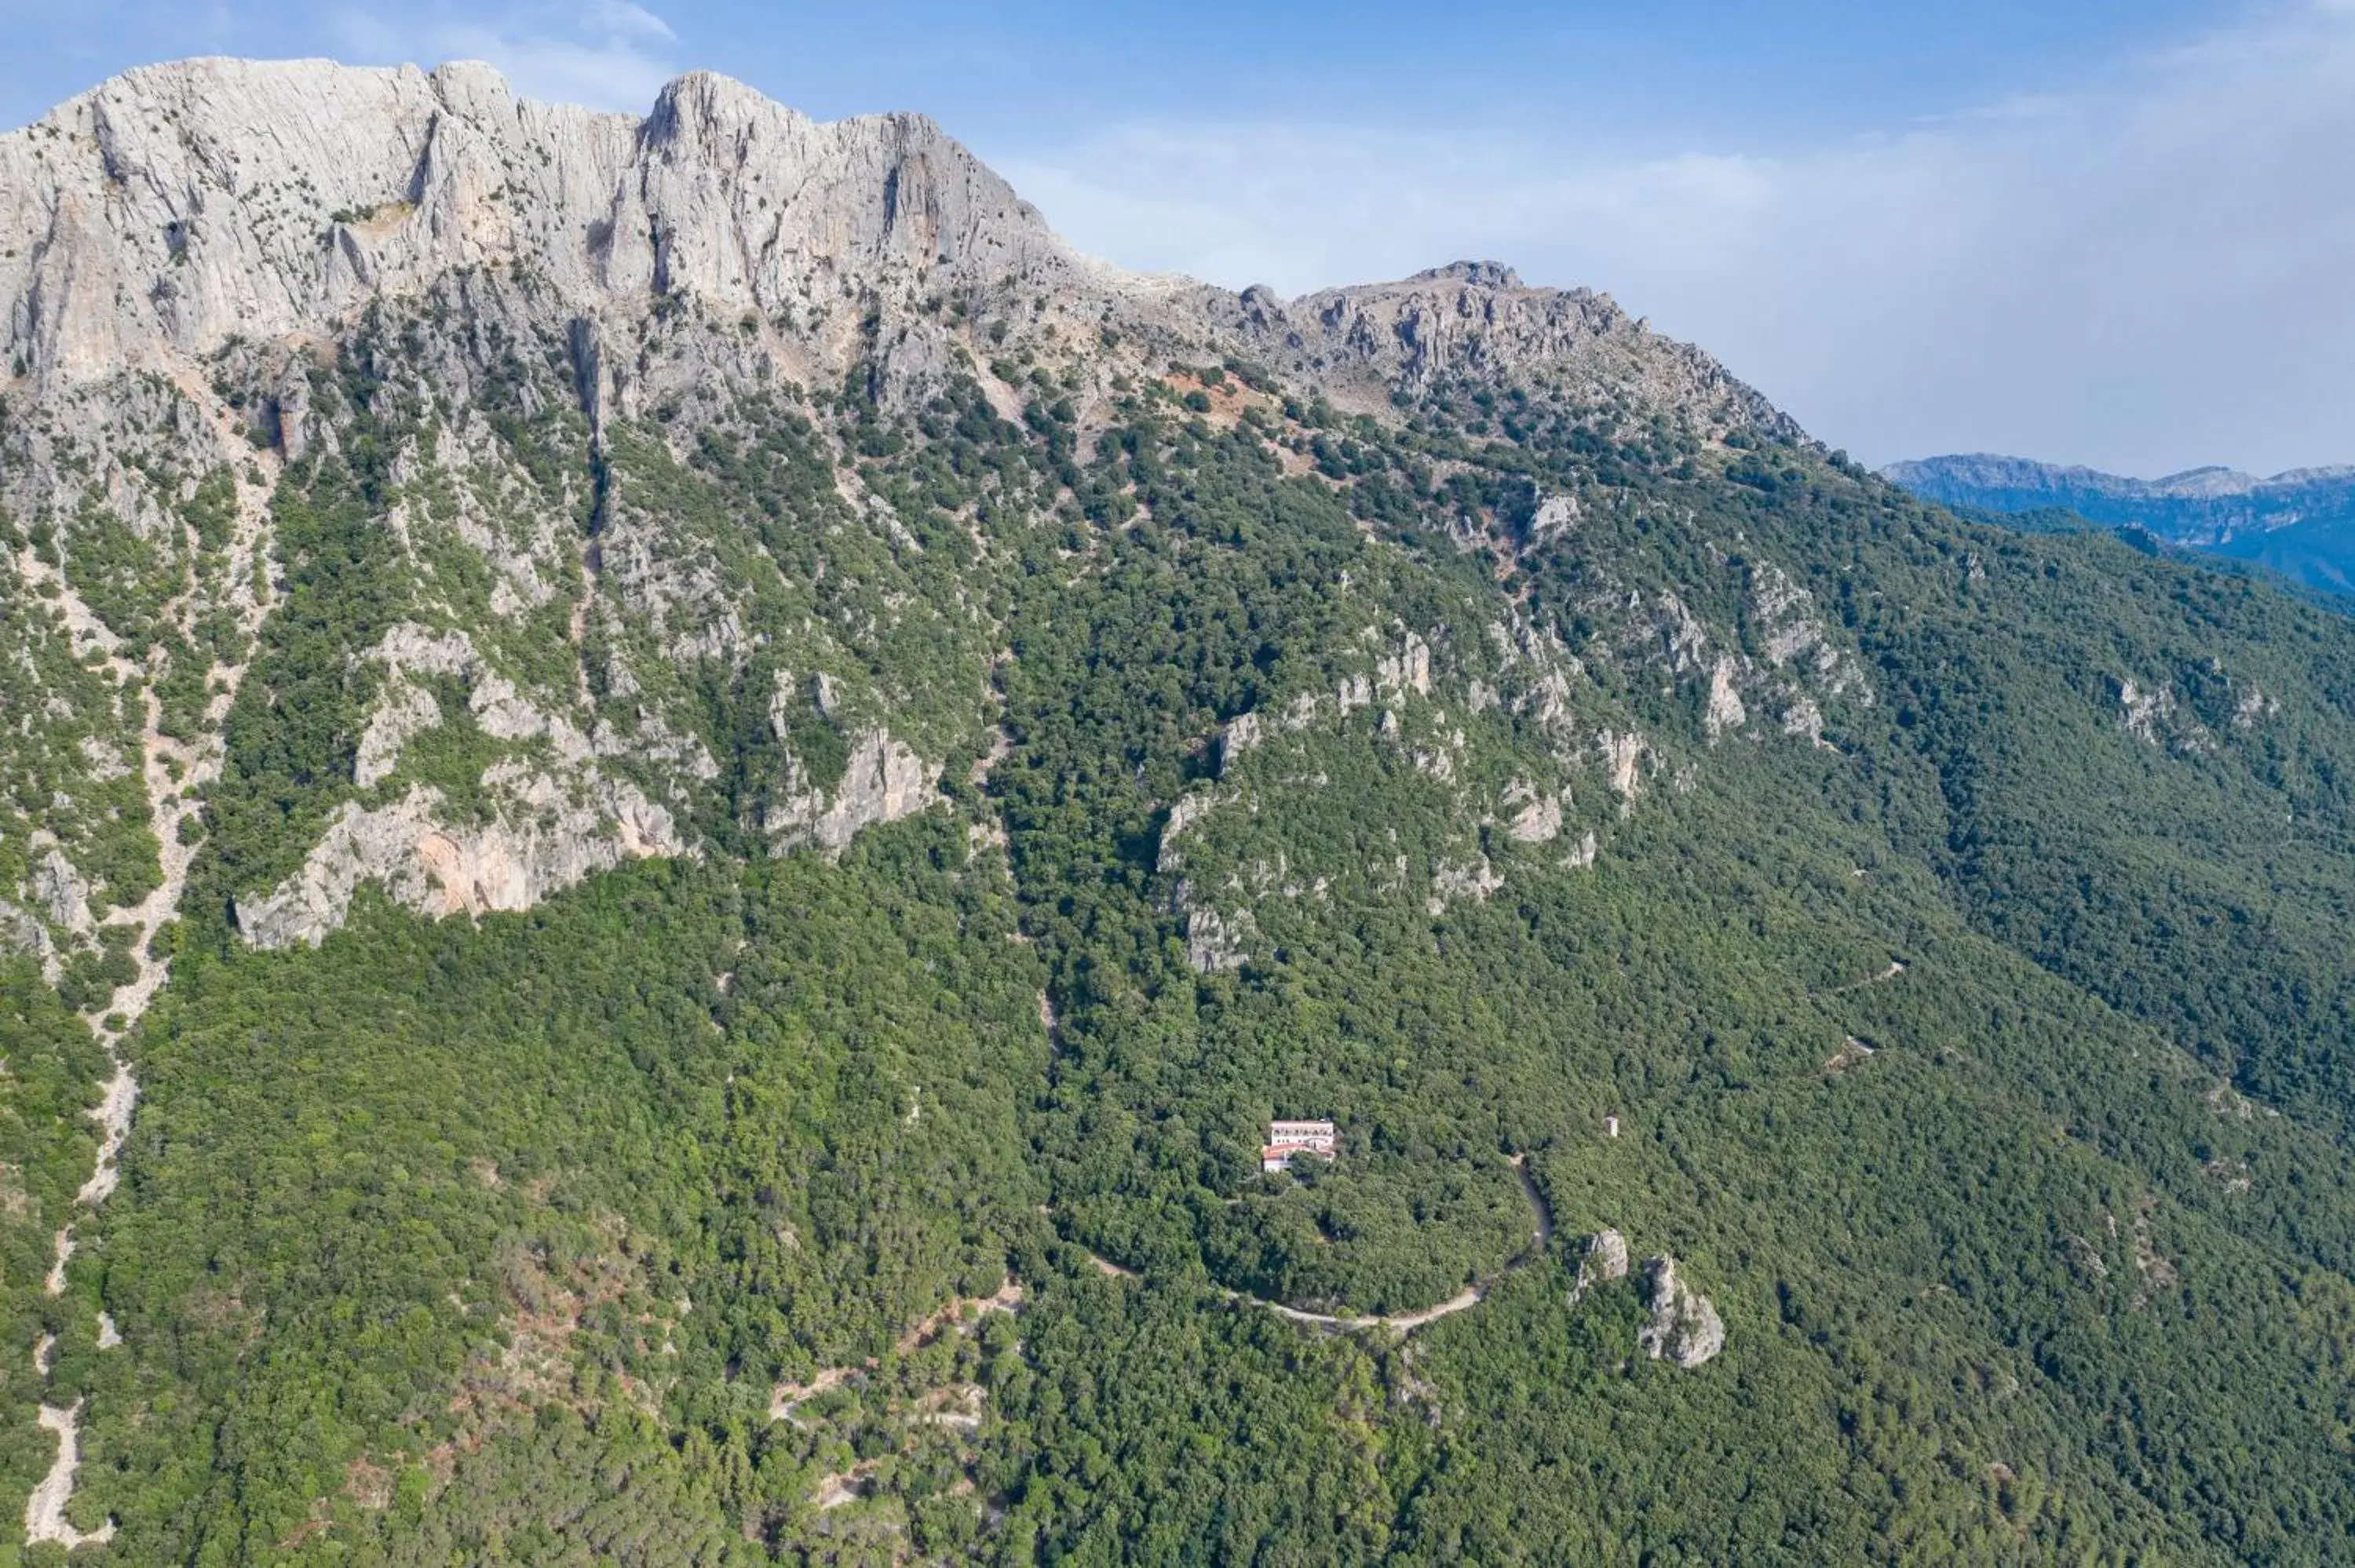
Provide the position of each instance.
(1489, 274)
(942, 739)
(1476, 322)
(241, 274)
(176, 206)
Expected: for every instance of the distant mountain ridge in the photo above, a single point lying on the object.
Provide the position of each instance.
(2300, 523)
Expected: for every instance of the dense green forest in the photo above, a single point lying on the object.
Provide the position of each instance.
(1967, 1017)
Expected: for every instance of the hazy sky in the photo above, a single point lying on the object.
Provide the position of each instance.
(2087, 231)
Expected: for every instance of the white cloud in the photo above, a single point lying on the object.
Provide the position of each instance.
(2146, 274)
(607, 54)
(622, 19)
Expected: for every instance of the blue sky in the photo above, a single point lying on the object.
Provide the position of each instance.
(2086, 230)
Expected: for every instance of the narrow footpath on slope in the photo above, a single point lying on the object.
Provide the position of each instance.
(174, 772)
(1896, 967)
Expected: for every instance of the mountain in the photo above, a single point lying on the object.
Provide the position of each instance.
(2301, 524)
(679, 800)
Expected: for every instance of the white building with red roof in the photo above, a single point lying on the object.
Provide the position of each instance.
(1287, 1140)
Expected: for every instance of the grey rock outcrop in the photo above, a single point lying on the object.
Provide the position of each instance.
(1606, 1260)
(1241, 733)
(1725, 711)
(1536, 816)
(63, 894)
(408, 646)
(1607, 1254)
(2143, 711)
(550, 834)
(1623, 756)
(21, 932)
(1450, 884)
(1794, 638)
(1215, 944)
(884, 781)
(1684, 1326)
(1183, 814)
(402, 713)
(1555, 515)
(2254, 706)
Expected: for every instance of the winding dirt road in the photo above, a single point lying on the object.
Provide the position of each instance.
(1471, 1295)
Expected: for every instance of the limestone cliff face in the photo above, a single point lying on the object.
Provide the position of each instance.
(884, 781)
(546, 838)
(176, 206)
(209, 269)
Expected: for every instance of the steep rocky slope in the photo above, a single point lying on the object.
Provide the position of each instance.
(708, 791)
(203, 236)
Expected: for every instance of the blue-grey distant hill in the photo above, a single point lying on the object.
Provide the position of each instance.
(2301, 524)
